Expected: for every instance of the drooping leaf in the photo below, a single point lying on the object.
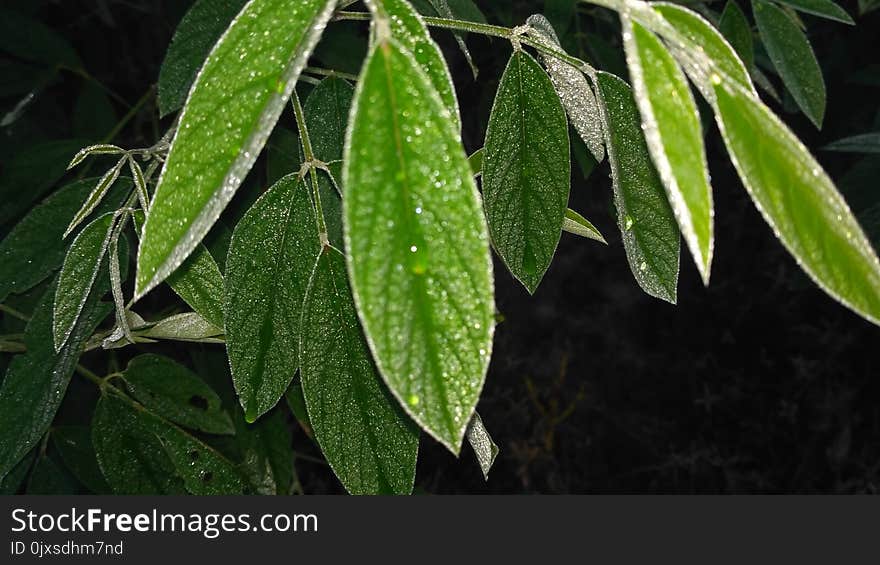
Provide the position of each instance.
(74, 443)
(735, 27)
(193, 39)
(800, 202)
(188, 326)
(36, 381)
(481, 442)
(418, 250)
(864, 143)
(81, 266)
(369, 442)
(326, 110)
(573, 89)
(650, 233)
(34, 248)
(234, 103)
(578, 225)
(793, 58)
(671, 125)
(273, 249)
(822, 8)
(526, 170)
(177, 394)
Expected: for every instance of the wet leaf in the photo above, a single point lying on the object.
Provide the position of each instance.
(578, 225)
(369, 442)
(188, 326)
(175, 393)
(526, 170)
(326, 110)
(800, 202)
(444, 10)
(418, 251)
(573, 89)
(74, 443)
(481, 442)
(792, 56)
(99, 149)
(236, 100)
(671, 125)
(193, 39)
(735, 27)
(94, 198)
(273, 249)
(822, 8)
(81, 267)
(647, 224)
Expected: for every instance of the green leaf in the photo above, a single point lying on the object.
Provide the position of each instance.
(177, 394)
(267, 270)
(735, 27)
(792, 56)
(671, 125)
(418, 251)
(578, 225)
(283, 154)
(573, 89)
(15, 478)
(481, 442)
(326, 110)
(36, 381)
(650, 233)
(266, 452)
(369, 442)
(331, 202)
(74, 443)
(444, 10)
(234, 103)
(94, 198)
(296, 401)
(33, 250)
(48, 477)
(410, 31)
(526, 170)
(822, 8)
(800, 202)
(864, 143)
(194, 37)
(188, 326)
(475, 160)
(81, 266)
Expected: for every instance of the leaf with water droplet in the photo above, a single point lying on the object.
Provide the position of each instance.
(81, 266)
(799, 201)
(481, 442)
(793, 57)
(526, 170)
(573, 89)
(174, 392)
(232, 107)
(273, 249)
(650, 233)
(418, 250)
(369, 442)
(99, 149)
(671, 125)
(576, 224)
(197, 32)
(735, 28)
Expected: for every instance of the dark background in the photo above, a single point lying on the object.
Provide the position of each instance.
(759, 383)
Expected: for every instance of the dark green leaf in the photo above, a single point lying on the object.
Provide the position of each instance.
(267, 271)
(177, 394)
(793, 57)
(736, 29)
(650, 233)
(296, 401)
(193, 39)
(417, 245)
(526, 170)
(369, 442)
(326, 110)
(282, 154)
(93, 115)
(236, 100)
(266, 453)
(31, 40)
(822, 8)
(864, 143)
(48, 477)
(74, 443)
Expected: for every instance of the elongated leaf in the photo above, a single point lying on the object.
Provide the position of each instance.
(578, 225)
(800, 202)
(177, 394)
(194, 37)
(822, 8)
(74, 443)
(326, 110)
(236, 100)
(273, 249)
(650, 233)
(526, 170)
(481, 442)
(418, 251)
(864, 143)
(410, 31)
(331, 202)
(99, 149)
(369, 442)
(445, 11)
(573, 89)
(36, 382)
(188, 326)
(94, 198)
(475, 160)
(671, 125)
(81, 266)
(793, 57)
(735, 27)
(34, 248)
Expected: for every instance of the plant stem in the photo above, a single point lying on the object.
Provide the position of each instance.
(330, 73)
(85, 372)
(14, 313)
(311, 164)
